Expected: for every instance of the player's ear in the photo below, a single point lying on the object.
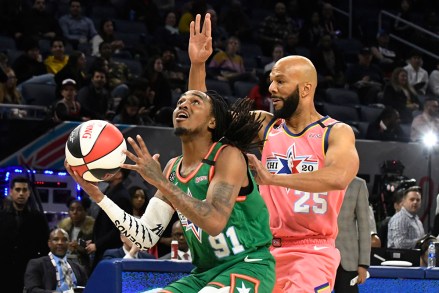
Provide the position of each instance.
(212, 123)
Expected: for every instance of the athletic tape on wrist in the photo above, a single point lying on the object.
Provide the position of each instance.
(143, 232)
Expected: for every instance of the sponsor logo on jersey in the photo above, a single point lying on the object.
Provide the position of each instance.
(315, 135)
(200, 178)
(291, 163)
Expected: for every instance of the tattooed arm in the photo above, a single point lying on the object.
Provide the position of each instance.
(211, 214)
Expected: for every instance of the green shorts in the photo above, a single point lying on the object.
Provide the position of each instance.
(255, 270)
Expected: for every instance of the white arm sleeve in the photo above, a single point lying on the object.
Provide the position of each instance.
(143, 232)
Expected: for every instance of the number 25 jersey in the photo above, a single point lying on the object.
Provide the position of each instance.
(293, 213)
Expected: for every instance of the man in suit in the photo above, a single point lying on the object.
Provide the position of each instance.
(105, 233)
(54, 272)
(183, 252)
(353, 238)
(128, 251)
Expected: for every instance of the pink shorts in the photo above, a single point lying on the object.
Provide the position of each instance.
(308, 265)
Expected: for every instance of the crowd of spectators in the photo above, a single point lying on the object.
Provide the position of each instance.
(129, 59)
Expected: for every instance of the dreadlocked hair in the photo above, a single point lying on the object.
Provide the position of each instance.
(236, 125)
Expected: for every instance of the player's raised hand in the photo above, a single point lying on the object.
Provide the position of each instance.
(146, 165)
(200, 40)
(262, 176)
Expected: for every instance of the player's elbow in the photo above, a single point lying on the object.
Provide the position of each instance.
(216, 228)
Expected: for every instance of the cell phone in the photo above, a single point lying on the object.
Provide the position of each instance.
(82, 242)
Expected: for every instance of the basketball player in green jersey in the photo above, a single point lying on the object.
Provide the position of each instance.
(224, 218)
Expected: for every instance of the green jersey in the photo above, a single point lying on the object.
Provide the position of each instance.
(247, 229)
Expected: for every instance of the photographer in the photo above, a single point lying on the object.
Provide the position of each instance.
(79, 226)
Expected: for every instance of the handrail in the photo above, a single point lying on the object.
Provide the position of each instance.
(348, 15)
(31, 110)
(411, 24)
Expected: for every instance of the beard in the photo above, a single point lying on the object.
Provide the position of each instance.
(180, 131)
(289, 107)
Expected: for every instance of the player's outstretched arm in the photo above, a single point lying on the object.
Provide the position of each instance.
(200, 48)
(211, 214)
(341, 166)
(143, 232)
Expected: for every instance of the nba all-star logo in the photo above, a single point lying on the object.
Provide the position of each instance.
(291, 163)
(188, 225)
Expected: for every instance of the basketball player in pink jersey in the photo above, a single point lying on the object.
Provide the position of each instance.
(307, 162)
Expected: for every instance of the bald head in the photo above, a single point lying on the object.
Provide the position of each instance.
(297, 67)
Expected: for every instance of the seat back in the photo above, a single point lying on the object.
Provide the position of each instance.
(370, 114)
(221, 87)
(341, 96)
(39, 94)
(342, 113)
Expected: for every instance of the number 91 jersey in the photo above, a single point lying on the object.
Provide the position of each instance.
(248, 226)
(294, 213)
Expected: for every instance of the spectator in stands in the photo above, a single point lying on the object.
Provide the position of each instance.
(95, 98)
(37, 23)
(275, 28)
(330, 23)
(168, 35)
(30, 63)
(105, 233)
(106, 34)
(417, 76)
(260, 95)
(8, 90)
(158, 83)
(163, 117)
(353, 239)
(173, 71)
(433, 81)
(427, 121)
(313, 30)
(405, 228)
(129, 114)
(183, 252)
(365, 78)
(384, 225)
(118, 72)
(10, 12)
(74, 69)
(385, 54)
(142, 90)
(24, 233)
(387, 127)
(68, 108)
(400, 28)
(276, 54)
(139, 200)
(329, 63)
(236, 22)
(145, 11)
(219, 32)
(79, 227)
(189, 10)
(292, 45)
(228, 65)
(400, 95)
(54, 272)
(77, 29)
(55, 62)
(127, 251)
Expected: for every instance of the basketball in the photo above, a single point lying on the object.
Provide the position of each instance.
(94, 149)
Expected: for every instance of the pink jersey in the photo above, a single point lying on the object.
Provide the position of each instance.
(296, 214)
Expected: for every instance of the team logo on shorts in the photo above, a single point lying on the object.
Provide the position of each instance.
(291, 163)
(243, 284)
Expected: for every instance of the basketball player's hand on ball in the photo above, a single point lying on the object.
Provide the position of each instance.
(200, 42)
(262, 176)
(91, 188)
(146, 165)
